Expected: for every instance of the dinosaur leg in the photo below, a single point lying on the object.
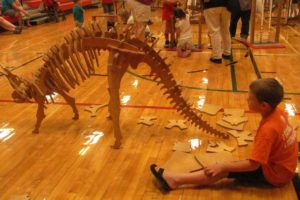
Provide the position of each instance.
(115, 74)
(71, 101)
(40, 115)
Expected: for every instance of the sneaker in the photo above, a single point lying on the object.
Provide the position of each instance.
(216, 60)
(173, 44)
(167, 44)
(18, 30)
(227, 57)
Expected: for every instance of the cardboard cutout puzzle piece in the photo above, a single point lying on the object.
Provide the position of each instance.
(235, 120)
(182, 146)
(176, 123)
(210, 109)
(234, 112)
(242, 137)
(180, 162)
(20, 197)
(147, 120)
(207, 159)
(217, 147)
(224, 124)
(94, 109)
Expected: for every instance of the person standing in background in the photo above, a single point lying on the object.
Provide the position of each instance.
(240, 9)
(78, 14)
(217, 18)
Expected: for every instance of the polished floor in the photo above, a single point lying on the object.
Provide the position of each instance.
(73, 159)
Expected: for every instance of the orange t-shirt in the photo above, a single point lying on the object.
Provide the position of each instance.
(275, 148)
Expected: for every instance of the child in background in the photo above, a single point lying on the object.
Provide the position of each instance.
(9, 26)
(183, 33)
(274, 155)
(78, 14)
(13, 8)
(108, 8)
(168, 22)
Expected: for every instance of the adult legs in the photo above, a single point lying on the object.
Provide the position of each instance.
(235, 16)
(212, 18)
(226, 39)
(245, 15)
(140, 28)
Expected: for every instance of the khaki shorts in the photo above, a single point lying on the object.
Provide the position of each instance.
(185, 44)
(140, 12)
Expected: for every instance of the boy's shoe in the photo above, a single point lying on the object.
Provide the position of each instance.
(18, 30)
(216, 60)
(167, 44)
(227, 57)
(173, 44)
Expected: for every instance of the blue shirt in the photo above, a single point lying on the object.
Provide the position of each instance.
(7, 4)
(78, 13)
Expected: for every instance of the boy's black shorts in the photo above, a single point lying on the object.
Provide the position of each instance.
(252, 177)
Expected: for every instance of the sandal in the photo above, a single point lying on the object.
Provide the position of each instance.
(158, 175)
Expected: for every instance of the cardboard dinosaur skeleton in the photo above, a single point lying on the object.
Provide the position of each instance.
(69, 63)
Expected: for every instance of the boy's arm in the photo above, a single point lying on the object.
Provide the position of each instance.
(235, 166)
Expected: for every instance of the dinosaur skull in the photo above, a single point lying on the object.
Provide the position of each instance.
(19, 94)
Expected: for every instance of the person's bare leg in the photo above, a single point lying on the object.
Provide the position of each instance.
(140, 28)
(198, 178)
(180, 52)
(7, 25)
(172, 30)
(20, 20)
(187, 53)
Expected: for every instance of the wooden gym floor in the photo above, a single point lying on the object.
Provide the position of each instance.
(59, 163)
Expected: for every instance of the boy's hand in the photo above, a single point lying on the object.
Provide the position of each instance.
(214, 170)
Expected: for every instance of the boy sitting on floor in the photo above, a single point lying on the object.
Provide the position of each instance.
(275, 150)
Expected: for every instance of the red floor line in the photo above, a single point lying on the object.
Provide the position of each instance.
(122, 106)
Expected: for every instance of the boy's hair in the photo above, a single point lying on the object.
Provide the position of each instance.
(268, 90)
(76, 1)
(179, 13)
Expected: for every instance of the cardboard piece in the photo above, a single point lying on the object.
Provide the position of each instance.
(147, 120)
(242, 137)
(182, 146)
(235, 120)
(234, 112)
(207, 159)
(217, 147)
(176, 123)
(20, 197)
(180, 162)
(94, 109)
(224, 124)
(210, 109)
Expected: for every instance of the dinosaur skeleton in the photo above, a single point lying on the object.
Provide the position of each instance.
(69, 63)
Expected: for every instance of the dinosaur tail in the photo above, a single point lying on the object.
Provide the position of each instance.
(161, 72)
